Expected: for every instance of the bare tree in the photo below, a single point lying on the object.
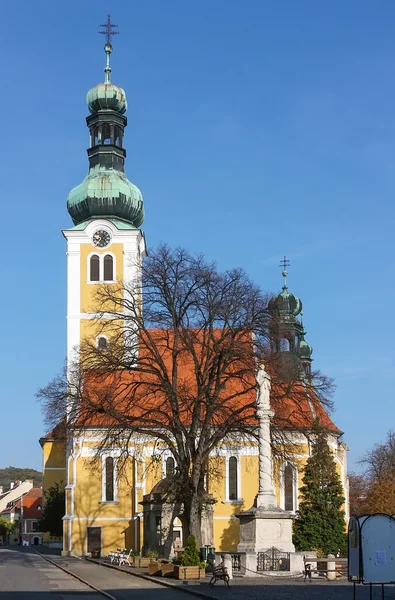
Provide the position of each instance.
(184, 343)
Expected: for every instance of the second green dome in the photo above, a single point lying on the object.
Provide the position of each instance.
(106, 193)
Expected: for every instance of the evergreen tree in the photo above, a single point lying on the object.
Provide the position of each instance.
(320, 523)
(190, 556)
(53, 512)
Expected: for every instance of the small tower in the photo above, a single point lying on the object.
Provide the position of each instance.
(287, 332)
(305, 352)
(106, 244)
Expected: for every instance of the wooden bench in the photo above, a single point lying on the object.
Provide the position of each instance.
(341, 566)
(220, 572)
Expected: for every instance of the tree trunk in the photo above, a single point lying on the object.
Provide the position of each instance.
(192, 520)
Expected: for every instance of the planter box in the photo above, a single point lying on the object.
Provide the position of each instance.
(142, 561)
(154, 568)
(167, 570)
(184, 573)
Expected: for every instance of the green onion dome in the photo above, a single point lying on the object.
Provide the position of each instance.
(106, 193)
(305, 350)
(285, 304)
(107, 96)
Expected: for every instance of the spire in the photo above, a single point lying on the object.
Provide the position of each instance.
(106, 191)
(284, 263)
(109, 33)
(107, 70)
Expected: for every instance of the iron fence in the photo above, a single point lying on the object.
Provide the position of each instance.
(273, 560)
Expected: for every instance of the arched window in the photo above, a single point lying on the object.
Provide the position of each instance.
(108, 268)
(102, 343)
(109, 474)
(169, 466)
(232, 491)
(94, 274)
(284, 345)
(289, 487)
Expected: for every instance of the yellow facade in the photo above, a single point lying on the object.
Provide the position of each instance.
(89, 289)
(121, 521)
(54, 463)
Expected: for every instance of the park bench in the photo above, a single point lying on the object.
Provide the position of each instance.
(340, 568)
(220, 572)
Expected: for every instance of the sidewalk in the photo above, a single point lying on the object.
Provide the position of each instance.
(274, 588)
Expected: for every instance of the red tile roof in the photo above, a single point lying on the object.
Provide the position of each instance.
(31, 501)
(140, 398)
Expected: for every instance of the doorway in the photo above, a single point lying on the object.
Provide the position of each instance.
(94, 540)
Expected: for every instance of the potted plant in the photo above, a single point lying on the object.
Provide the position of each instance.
(191, 566)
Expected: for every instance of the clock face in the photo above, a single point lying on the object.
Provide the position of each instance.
(101, 238)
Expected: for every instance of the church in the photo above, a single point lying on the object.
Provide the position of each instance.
(106, 245)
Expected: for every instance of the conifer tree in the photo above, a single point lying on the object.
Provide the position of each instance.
(190, 556)
(53, 512)
(320, 522)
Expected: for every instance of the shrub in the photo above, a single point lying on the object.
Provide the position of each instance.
(190, 556)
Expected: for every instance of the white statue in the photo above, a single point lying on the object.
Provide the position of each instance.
(263, 380)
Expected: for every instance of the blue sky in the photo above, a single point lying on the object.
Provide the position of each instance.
(255, 129)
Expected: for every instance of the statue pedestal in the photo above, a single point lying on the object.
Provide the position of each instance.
(263, 528)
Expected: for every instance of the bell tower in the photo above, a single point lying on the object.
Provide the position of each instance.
(105, 244)
(287, 332)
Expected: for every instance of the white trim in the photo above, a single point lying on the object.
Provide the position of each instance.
(165, 455)
(73, 299)
(236, 450)
(230, 518)
(89, 452)
(54, 468)
(98, 519)
(101, 335)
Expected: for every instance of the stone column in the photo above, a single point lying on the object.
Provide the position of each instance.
(266, 498)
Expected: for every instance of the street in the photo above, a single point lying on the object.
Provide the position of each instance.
(25, 575)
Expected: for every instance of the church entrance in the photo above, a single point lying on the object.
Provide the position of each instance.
(178, 539)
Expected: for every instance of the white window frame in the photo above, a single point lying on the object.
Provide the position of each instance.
(295, 485)
(101, 267)
(167, 454)
(103, 479)
(239, 499)
(102, 336)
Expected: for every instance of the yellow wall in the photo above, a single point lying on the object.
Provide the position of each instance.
(88, 290)
(119, 529)
(54, 463)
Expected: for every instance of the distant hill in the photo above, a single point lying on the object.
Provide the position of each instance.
(14, 473)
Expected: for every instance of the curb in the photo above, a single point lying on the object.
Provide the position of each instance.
(157, 580)
(76, 576)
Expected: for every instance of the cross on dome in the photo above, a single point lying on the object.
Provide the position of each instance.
(284, 263)
(108, 30)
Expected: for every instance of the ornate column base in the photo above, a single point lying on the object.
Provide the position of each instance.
(262, 528)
